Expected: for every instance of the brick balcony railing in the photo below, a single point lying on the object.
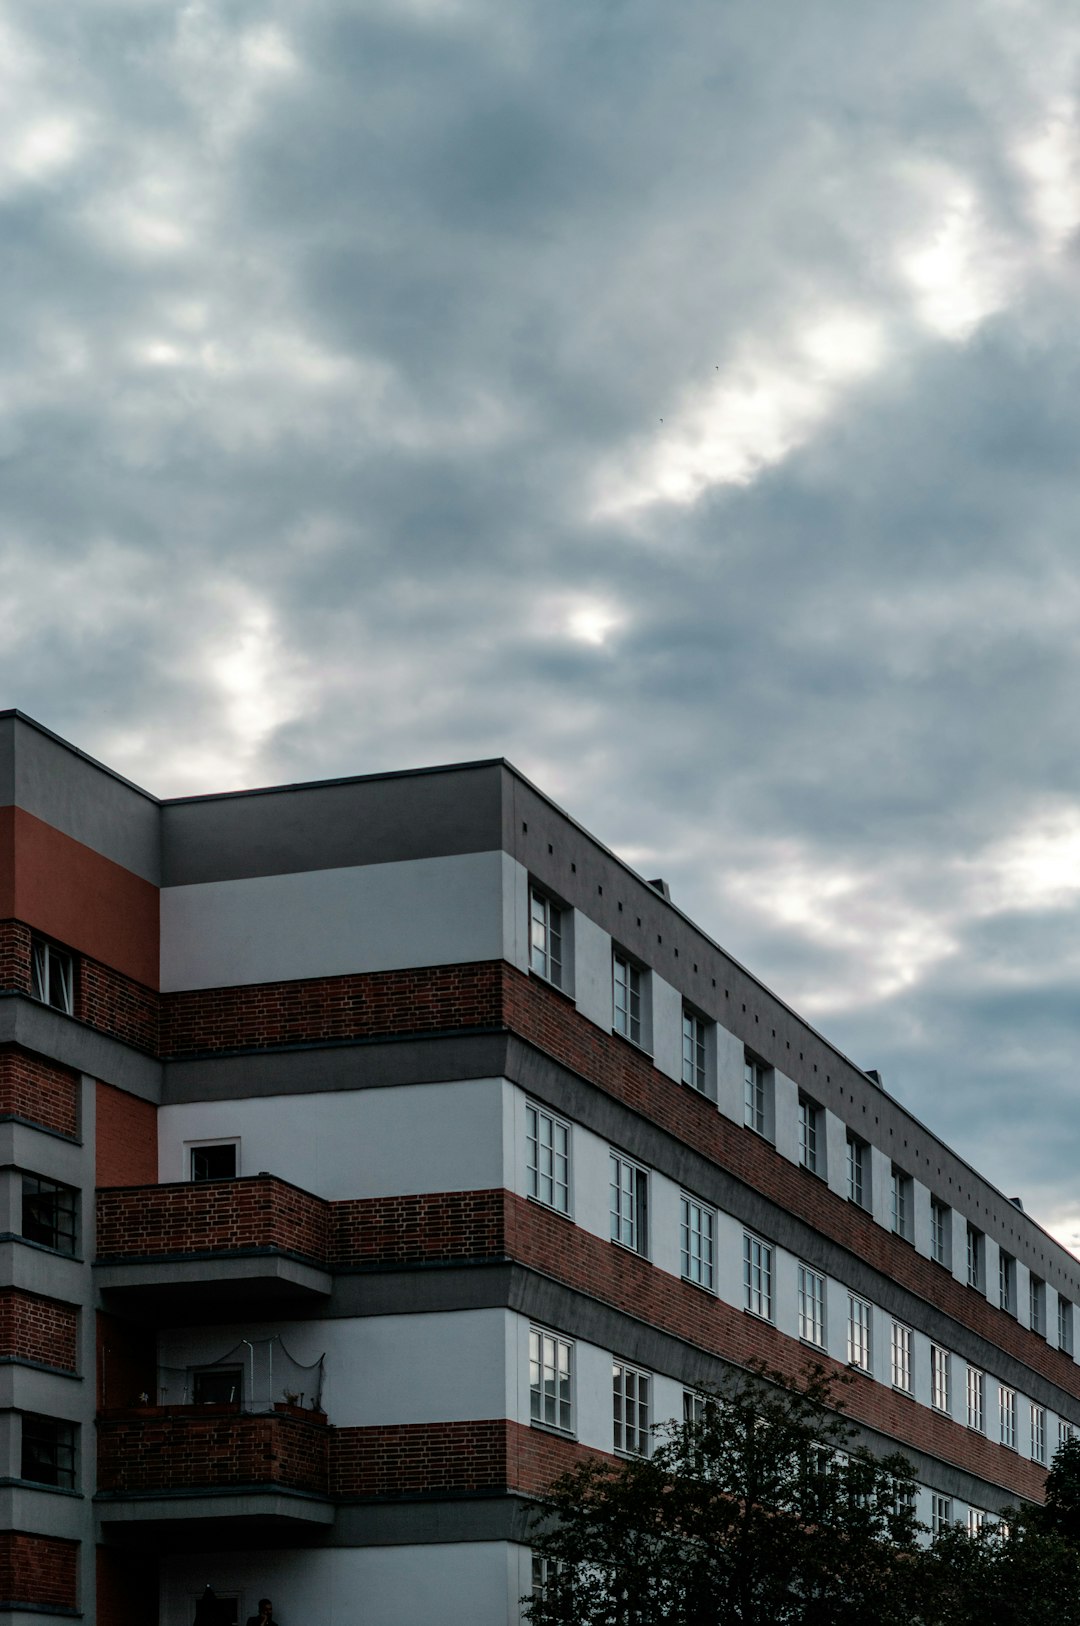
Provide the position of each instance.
(260, 1214)
(197, 1448)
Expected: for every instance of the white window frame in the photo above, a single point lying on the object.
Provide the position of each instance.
(902, 1203)
(627, 998)
(811, 1306)
(1037, 1304)
(941, 1514)
(940, 1379)
(902, 1350)
(1007, 1416)
(976, 1521)
(1064, 1321)
(547, 1159)
(1038, 1433)
(757, 1276)
(631, 1390)
(52, 975)
(1006, 1282)
(860, 1333)
(1065, 1432)
(551, 1380)
(628, 1206)
(976, 1399)
(976, 1257)
(939, 1231)
(193, 1146)
(545, 937)
(697, 1242)
(857, 1171)
(809, 1134)
(695, 1063)
(755, 1110)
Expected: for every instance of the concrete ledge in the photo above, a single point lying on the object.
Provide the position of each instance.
(216, 1276)
(26, 1022)
(243, 1502)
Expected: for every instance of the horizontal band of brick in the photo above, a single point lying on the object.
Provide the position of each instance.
(181, 1448)
(487, 1457)
(105, 998)
(33, 1328)
(37, 1091)
(38, 1572)
(259, 1213)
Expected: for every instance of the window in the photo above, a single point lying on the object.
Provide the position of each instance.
(939, 1378)
(1037, 1305)
(901, 1202)
(940, 1513)
(693, 1050)
(754, 1095)
(547, 1158)
(630, 1409)
(858, 1333)
(976, 1389)
(217, 1386)
(693, 1408)
(1007, 1416)
(1065, 1432)
(698, 1236)
(902, 1339)
(809, 1127)
(48, 1451)
(53, 976)
(1038, 1433)
(629, 1204)
(1007, 1282)
(939, 1231)
(627, 999)
(976, 1521)
(544, 1571)
(757, 1276)
(551, 1366)
(214, 1162)
(811, 1306)
(545, 938)
(858, 1183)
(49, 1213)
(1065, 1338)
(975, 1250)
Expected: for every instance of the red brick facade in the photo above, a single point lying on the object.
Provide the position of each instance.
(38, 1572)
(33, 1328)
(210, 1448)
(125, 1138)
(39, 1092)
(213, 1216)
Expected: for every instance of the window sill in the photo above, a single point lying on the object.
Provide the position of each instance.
(624, 1247)
(757, 1316)
(898, 1389)
(549, 1208)
(556, 988)
(635, 1044)
(701, 1286)
(809, 1343)
(36, 1485)
(553, 1428)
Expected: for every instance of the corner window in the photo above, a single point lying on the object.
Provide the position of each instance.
(626, 1004)
(49, 1213)
(629, 1203)
(939, 1378)
(757, 1276)
(216, 1160)
(545, 938)
(53, 976)
(975, 1252)
(693, 1050)
(48, 1451)
(976, 1391)
(755, 1102)
(547, 1158)
(630, 1409)
(551, 1372)
(811, 1306)
(901, 1203)
(859, 1349)
(809, 1134)
(858, 1171)
(939, 1231)
(698, 1243)
(902, 1341)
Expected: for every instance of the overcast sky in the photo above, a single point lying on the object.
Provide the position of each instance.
(679, 399)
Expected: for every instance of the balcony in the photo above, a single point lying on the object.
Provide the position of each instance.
(213, 1244)
(181, 1469)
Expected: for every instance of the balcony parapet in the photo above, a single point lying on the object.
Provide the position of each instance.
(156, 1451)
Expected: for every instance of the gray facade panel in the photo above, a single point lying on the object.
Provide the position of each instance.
(333, 825)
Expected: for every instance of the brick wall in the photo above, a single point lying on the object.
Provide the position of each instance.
(39, 1572)
(487, 1457)
(435, 1228)
(213, 1216)
(39, 1091)
(432, 999)
(115, 1004)
(33, 1328)
(188, 1448)
(125, 1138)
(14, 956)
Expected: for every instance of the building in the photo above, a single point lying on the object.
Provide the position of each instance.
(374, 1147)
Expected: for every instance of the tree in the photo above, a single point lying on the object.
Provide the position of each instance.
(760, 1512)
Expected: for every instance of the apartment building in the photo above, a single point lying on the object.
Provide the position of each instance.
(374, 1148)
